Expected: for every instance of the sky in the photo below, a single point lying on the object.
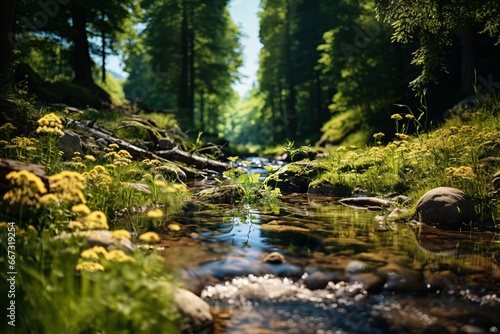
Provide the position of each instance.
(244, 15)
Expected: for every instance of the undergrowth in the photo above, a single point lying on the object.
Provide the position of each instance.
(463, 153)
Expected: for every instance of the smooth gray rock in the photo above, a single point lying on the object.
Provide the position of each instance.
(192, 306)
(446, 207)
(69, 144)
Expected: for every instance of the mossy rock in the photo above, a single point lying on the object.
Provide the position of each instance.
(231, 193)
(295, 177)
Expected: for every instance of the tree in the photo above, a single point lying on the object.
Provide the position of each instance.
(7, 15)
(436, 25)
(195, 46)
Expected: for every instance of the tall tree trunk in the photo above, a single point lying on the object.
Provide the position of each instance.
(191, 64)
(7, 15)
(82, 62)
(184, 100)
(467, 63)
(290, 79)
(103, 56)
(202, 110)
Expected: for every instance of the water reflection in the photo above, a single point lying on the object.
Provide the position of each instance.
(413, 279)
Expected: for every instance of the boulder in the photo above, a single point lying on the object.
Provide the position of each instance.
(69, 144)
(446, 207)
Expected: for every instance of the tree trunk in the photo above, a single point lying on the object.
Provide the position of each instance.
(103, 56)
(7, 15)
(289, 75)
(184, 98)
(82, 62)
(191, 65)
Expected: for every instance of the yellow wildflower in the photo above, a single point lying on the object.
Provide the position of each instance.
(156, 213)
(27, 188)
(119, 256)
(378, 135)
(396, 117)
(89, 254)
(402, 136)
(180, 186)
(48, 198)
(174, 227)
(24, 143)
(99, 250)
(90, 157)
(89, 266)
(97, 220)
(80, 208)
(50, 123)
(74, 225)
(113, 145)
(68, 185)
(7, 127)
(120, 234)
(149, 237)
(410, 116)
(160, 183)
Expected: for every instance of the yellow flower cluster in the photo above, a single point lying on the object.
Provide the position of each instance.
(98, 177)
(50, 123)
(463, 172)
(91, 257)
(169, 189)
(27, 188)
(120, 234)
(152, 162)
(90, 220)
(122, 157)
(149, 237)
(156, 213)
(68, 185)
(7, 127)
(28, 144)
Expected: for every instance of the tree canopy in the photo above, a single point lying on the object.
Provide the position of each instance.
(330, 71)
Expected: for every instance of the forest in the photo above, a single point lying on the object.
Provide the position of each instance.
(354, 188)
(329, 71)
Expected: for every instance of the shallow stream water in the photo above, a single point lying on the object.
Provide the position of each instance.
(315, 266)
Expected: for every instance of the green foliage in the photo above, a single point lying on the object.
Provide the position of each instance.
(53, 297)
(455, 155)
(434, 25)
(191, 67)
(252, 191)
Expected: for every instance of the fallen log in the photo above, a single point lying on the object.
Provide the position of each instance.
(175, 154)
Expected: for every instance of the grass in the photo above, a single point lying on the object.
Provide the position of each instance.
(461, 153)
(80, 289)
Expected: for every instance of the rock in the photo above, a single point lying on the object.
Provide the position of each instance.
(165, 144)
(370, 203)
(102, 238)
(230, 193)
(69, 144)
(196, 309)
(274, 258)
(400, 279)
(446, 207)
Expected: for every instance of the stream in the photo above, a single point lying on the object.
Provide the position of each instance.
(315, 266)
